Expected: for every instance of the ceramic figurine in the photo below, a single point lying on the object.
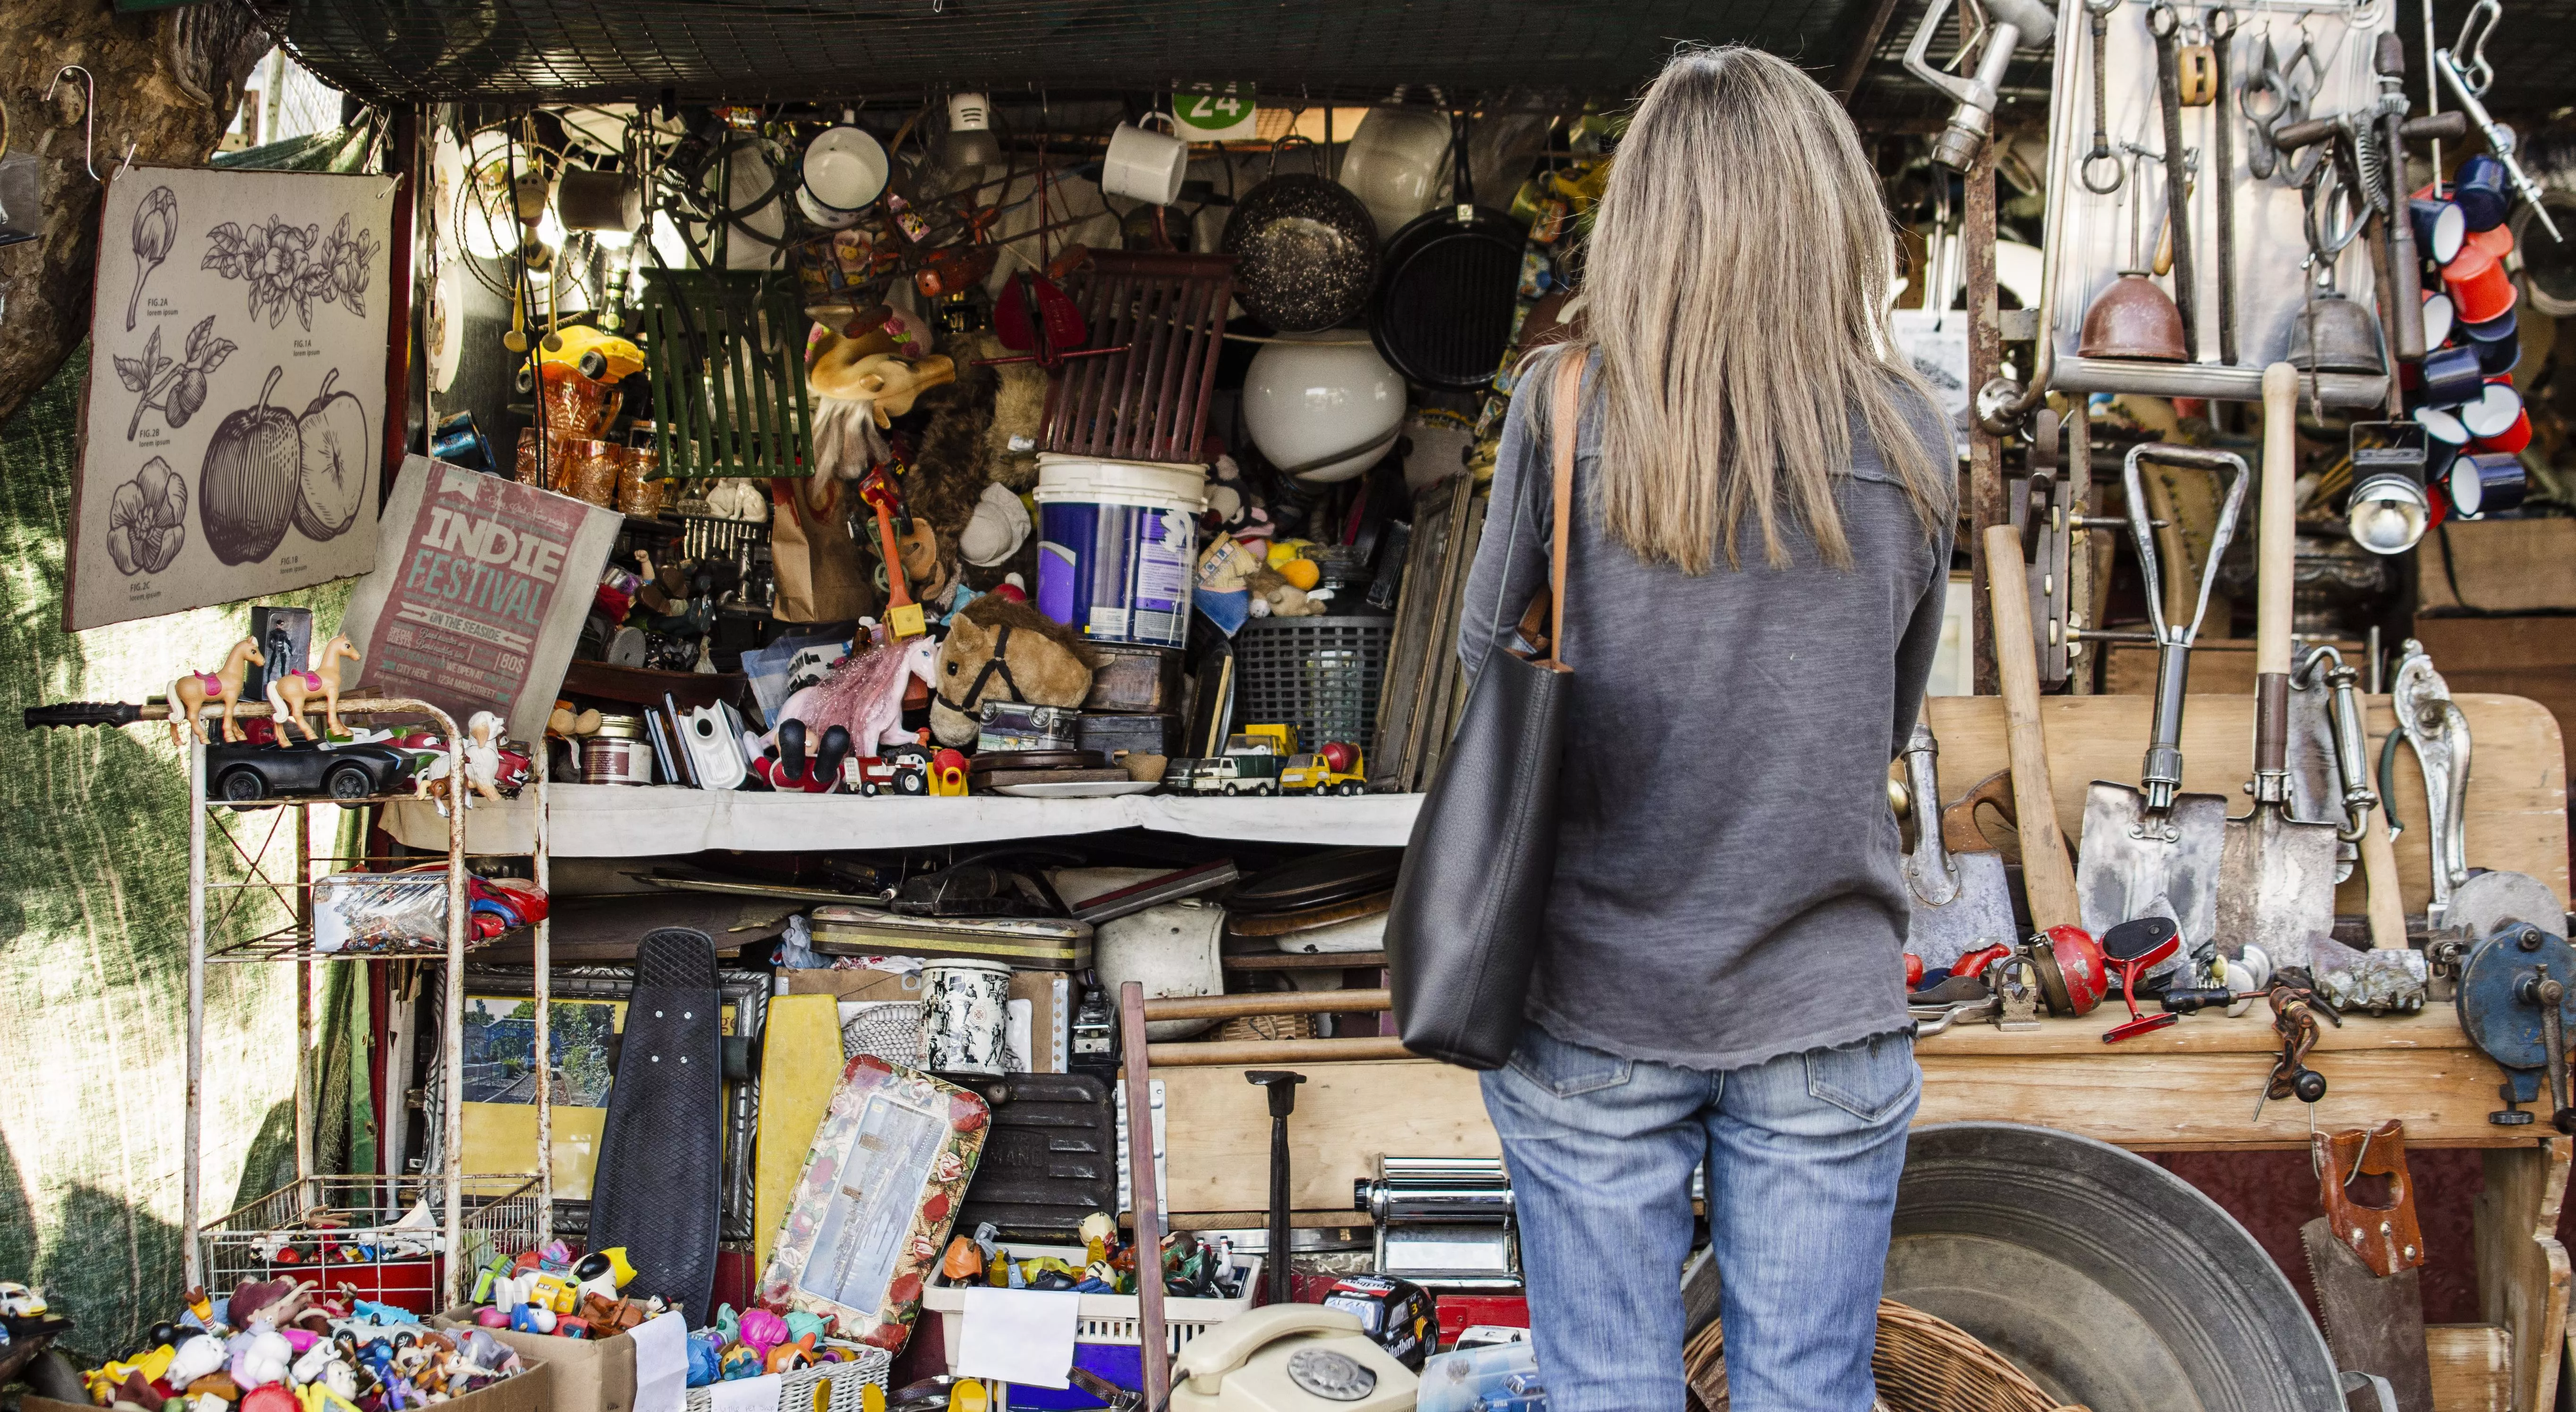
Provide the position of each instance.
(289, 692)
(190, 692)
(483, 755)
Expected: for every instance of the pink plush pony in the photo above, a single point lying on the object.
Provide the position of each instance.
(863, 692)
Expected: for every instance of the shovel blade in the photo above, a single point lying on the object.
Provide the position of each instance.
(2131, 864)
(1979, 914)
(2276, 887)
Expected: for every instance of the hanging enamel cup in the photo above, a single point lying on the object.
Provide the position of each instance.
(2438, 319)
(2451, 376)
(2497, 420)
(2498, 342)
(2484, 193)
(965, 1016)
(2439, 228)
(2485, 483)
(2442, 426)
(1145, 165)
(2480, 289)
(844, 170)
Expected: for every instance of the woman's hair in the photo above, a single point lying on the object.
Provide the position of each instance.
(1736, 283)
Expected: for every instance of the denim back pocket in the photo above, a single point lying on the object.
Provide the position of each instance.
(1868, 1080)
(1566, 1070)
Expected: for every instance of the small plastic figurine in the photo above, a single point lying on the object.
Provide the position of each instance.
(290, 692)
(190, 692)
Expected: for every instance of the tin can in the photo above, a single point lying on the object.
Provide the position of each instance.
(965, 1016)
(618, 754)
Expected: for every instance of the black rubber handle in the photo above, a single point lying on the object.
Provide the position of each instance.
(84, 713)
(2452, 126)
(2293, 136)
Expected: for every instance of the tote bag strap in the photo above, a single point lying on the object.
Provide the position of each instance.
(1564, 421)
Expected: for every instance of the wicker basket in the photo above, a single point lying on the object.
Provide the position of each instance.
(1923, 1364)
(1267, 1027)
(1320, 675)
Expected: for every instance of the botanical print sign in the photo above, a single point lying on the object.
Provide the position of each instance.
(233, 436)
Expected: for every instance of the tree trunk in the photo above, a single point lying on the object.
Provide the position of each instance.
(168, 82)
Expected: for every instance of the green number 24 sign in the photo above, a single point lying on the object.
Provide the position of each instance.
(1215, 112)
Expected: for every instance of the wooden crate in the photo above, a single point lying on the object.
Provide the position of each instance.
(2497, 566)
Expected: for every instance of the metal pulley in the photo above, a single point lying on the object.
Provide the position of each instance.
(2515, 1003)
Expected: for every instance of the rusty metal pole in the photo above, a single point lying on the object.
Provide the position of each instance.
(1985, 363)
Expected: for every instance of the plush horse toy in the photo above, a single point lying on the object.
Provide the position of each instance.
(288, 692)
(999, 650)
(863, 694)
(190, 693)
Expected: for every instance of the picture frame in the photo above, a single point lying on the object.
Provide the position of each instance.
(496, 1144)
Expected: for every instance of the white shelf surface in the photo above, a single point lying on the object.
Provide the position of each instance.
(622, 821)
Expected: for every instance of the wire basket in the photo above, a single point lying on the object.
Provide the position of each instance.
(825, 1387)
(382, 1237)
(1320, 675)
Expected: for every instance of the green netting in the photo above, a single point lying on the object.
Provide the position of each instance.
(93, 940)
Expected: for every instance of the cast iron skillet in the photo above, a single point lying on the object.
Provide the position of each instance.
(1443, 312)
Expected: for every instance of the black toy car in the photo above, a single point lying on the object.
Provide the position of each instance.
(243, 774)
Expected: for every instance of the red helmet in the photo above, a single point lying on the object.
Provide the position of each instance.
(2072, 978)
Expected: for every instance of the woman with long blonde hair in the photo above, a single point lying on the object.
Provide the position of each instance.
(1763, 500)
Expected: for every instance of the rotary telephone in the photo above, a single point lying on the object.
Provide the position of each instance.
(1290, 1358)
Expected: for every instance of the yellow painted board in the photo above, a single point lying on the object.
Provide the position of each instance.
(800, 1065)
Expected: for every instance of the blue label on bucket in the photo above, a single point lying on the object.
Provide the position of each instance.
(1119, 572)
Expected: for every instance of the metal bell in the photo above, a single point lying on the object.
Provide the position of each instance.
(2135, 319)
(2345, 338)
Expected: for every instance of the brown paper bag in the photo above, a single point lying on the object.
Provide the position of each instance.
(822, 578)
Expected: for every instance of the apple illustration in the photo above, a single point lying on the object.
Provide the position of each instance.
(332, 480)
(246, 493)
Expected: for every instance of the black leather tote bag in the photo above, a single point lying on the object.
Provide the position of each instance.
(1463, 931)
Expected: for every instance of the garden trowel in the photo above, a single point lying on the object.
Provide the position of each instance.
(2154, 851)
(2277, 876)
(1961, 900)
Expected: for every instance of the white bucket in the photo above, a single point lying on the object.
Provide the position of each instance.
(1118, 546)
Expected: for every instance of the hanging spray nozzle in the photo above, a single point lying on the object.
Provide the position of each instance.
(2011, 24)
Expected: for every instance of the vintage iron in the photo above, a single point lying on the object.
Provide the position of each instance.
(2153, 851)
(1961, 900)
(2276, 877)
(2133, 317)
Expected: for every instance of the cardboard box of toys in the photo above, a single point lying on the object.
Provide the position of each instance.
(587, 1374)
(530, 1391)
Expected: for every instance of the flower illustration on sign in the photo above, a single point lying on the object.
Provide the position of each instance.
(156, 228)
(289, 264)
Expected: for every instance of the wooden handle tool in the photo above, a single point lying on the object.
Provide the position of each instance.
(2047, 877)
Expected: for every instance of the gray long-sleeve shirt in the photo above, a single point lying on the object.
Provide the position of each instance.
(1727, 886)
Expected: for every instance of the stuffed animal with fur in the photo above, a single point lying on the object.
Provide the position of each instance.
(1049, 666)
(1015, 408)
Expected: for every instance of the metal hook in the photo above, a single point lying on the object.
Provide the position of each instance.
(89, 114)
(2469, 50)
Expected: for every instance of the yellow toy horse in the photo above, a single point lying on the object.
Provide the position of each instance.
(289, 692)
(190, 693)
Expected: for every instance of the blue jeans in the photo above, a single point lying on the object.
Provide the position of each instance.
(1803, 1155)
